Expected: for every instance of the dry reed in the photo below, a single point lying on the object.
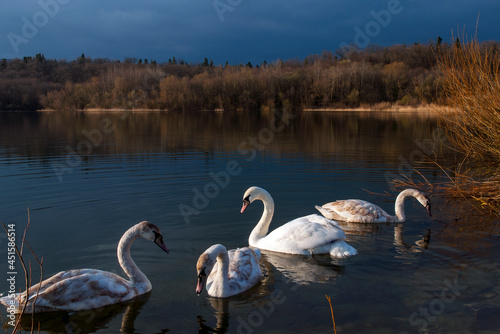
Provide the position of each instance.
(471, 89)
(331, 309)
(27, 278)
(475, 185)
(470, 116)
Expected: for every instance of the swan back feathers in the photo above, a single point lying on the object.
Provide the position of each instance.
(304, 235)
(359, 211)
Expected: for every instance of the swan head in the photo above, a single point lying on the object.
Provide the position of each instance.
(422, 198)
(152, 233)
(252, 194)
(205, 264)
(426, 203)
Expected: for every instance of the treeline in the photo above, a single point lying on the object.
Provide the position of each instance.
(351, 77)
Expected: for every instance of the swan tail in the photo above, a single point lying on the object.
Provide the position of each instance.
(340, 249)
(11, 302)
(326, 213)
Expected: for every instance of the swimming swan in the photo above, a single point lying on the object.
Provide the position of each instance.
(83, 289)
(306, 235)
(236, 271)
(359, 211)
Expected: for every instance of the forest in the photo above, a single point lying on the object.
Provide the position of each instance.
(350, 77)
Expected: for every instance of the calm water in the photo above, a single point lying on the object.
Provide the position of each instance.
(86, 178)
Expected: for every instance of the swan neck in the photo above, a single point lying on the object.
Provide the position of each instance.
(262, 226)
(399, 206)
(222, 276)
(128, 265)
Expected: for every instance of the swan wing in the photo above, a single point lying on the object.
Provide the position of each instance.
(303, 235)
(81, 289)
(44, 285)
(356, 210)
(244, 268)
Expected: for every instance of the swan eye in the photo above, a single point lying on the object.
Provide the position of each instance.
(202, 272)
(158, 236)
(246, 200)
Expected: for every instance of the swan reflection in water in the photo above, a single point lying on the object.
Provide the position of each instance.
(399, 242)
(303, 270)
(257, 295)
(87, 321)
(403, 247)
(221, 306)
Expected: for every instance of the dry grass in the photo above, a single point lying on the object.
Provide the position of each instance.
(471, 88)
(470, 116)
(479, 186)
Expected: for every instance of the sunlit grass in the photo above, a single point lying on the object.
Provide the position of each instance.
(470, 116)
(471, 88)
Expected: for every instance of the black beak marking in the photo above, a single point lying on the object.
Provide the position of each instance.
(159, 241)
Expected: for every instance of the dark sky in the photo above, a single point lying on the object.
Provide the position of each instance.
(236, 31)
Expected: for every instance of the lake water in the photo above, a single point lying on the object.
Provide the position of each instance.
(86, 178)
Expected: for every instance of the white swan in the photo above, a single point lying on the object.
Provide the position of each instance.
(359, 211)
(306, 235)
(237, 270)
(83, 289)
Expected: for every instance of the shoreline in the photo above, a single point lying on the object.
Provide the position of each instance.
(382, 107)
(422, 108)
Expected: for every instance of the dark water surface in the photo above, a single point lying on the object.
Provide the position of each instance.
(86, 178)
